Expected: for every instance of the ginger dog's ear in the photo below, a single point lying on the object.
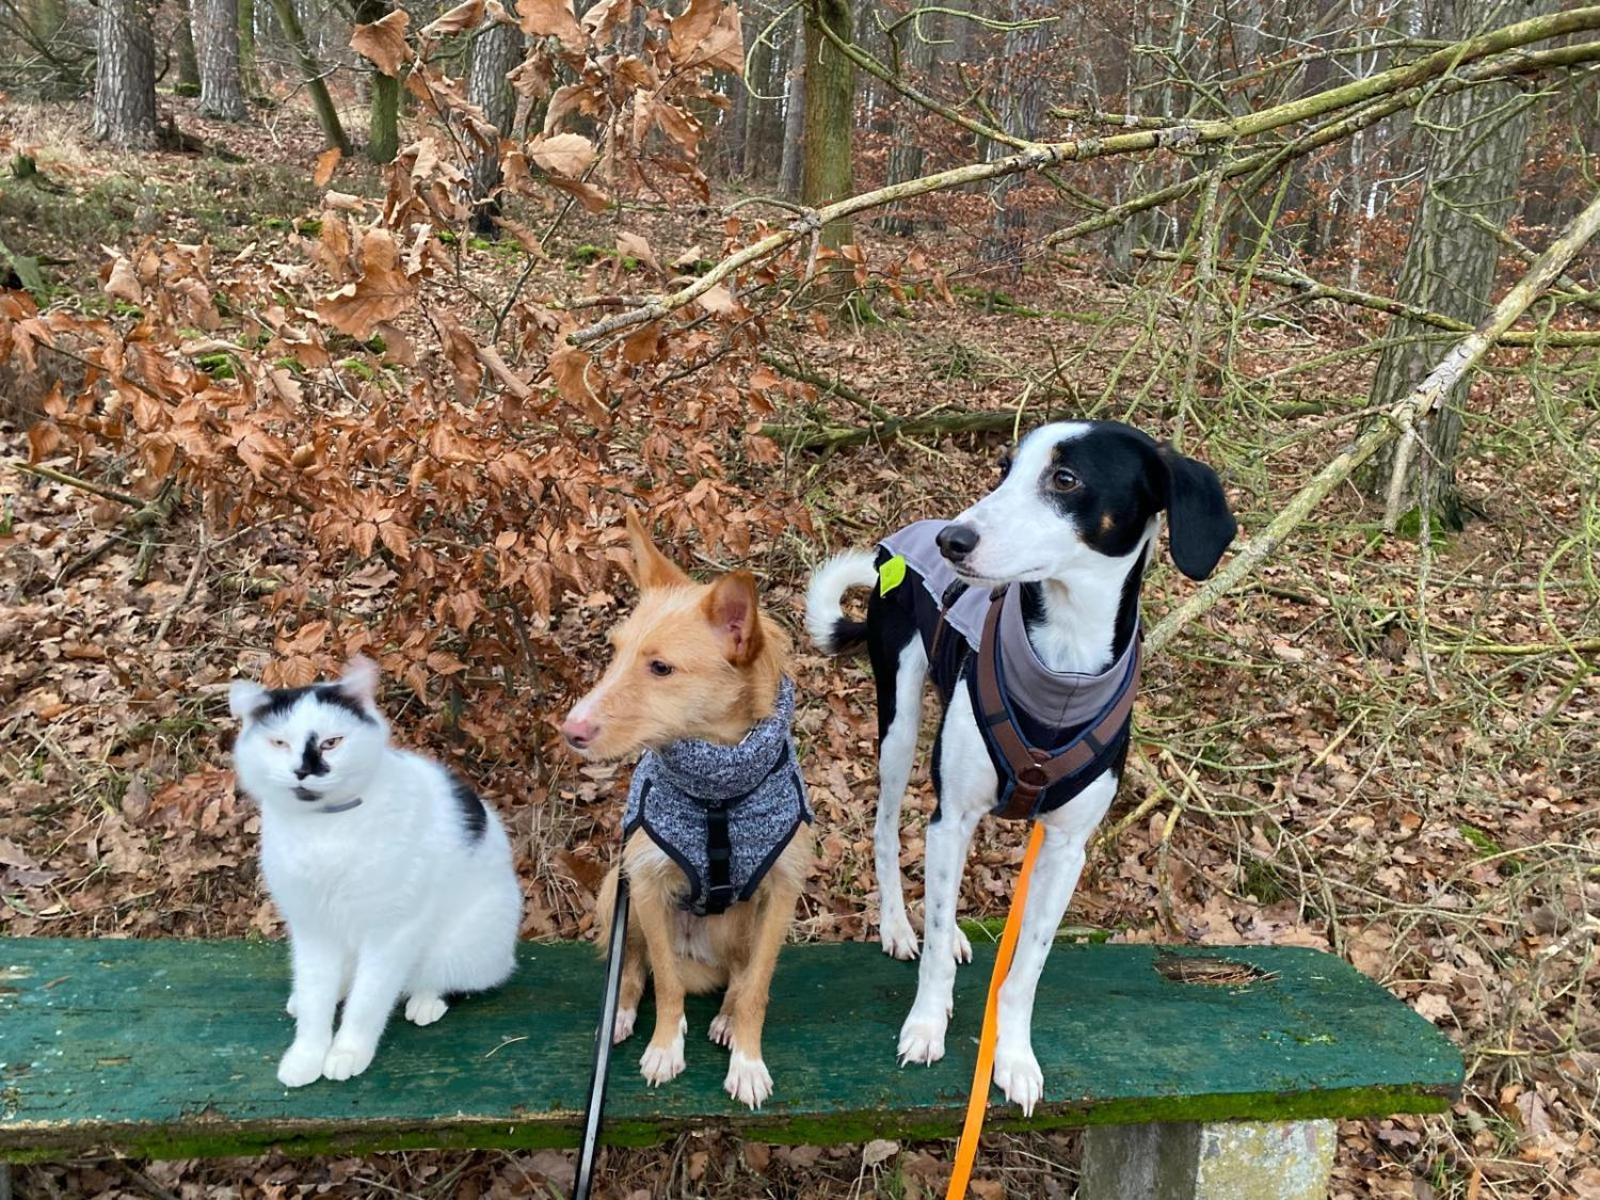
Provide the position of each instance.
(651, 568)
(731, 607)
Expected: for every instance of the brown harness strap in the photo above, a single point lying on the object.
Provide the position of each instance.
(1035, 770)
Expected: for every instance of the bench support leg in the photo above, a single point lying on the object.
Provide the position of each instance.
(1229, 1160)
(5, 1181)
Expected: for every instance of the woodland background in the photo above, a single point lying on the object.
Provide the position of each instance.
(336, 325)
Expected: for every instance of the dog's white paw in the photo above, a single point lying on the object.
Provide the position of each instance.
(921, 1041)
(721, 1031)
(962, 947)
(748, 1081)
(1017, 1074)
(425, 1010)
(661, 1064)
(898, 938)
(291, 1005)
(346, 1060)
(301, 1064)
(622, 1029)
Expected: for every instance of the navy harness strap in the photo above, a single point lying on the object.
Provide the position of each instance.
(719, 856)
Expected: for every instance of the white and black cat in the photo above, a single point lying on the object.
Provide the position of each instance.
(394, 877)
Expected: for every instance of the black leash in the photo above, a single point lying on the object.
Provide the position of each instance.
(602, 1043)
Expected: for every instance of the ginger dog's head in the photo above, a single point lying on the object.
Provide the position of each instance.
(693, 660)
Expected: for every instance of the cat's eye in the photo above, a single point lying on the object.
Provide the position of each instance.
(1064, 480)
(330, 743)
(660, 669)
(277, 743)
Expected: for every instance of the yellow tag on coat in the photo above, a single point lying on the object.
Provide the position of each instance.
(891, 575)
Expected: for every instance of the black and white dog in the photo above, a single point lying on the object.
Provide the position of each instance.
(1074, 523)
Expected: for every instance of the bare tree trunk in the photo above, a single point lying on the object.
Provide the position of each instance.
(383, 124)
(327, 114)
(221, 88)
(247, 48)
(1475, 139)
(188, 62)
(495, 54)
(1023, 91)
(794, 115)
(125, 75)
(916, 40)
(829, 113)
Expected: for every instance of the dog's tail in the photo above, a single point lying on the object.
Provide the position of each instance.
(830, 629)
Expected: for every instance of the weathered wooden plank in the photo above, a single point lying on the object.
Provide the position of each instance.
(165, 1048)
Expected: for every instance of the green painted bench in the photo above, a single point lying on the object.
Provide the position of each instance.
(1178, 1060)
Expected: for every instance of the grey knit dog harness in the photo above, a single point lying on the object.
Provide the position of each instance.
(722, 813)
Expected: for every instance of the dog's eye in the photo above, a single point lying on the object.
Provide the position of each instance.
(330, 743)
(660, 669)
(1064, 480)
(277, 743)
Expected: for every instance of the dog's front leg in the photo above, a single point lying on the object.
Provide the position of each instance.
(1055, 876)
(663, 1057)
(748, 1080)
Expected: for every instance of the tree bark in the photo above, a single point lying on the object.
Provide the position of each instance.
(327, 114)
(247, 48)
(794, 115)
(383, 119)
(1022, 88)
(1475, 142)
(916, 41)
(188, 61)
(495, 54)
(125, 75)
(221, 86)
(830, 80)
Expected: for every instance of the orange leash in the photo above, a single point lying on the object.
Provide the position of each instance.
(978, 1104)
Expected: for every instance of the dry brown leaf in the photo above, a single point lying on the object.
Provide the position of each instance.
(121, 283)
(384, 42)
(568, 154)
(462, 17)
(381, 293)
(719, 300)
(327, 164)
(633, 246)
(551, 18)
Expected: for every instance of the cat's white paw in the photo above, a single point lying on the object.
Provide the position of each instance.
(347, 1059)
(425, 1010)
(622, 1030)
(963, 948)
(661, 1064)
(747, 1081)
(921, 1040)
(898, 938)
(1017, 1074)
(301, 1064)
(721, 1031)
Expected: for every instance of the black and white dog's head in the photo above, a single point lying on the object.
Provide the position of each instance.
(1076, 494)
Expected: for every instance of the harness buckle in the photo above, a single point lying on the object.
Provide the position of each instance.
(1033, 776)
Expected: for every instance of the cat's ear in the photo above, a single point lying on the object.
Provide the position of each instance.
(651, 568)
(244, 697)
(360, 680)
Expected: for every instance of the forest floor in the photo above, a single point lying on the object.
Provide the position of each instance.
(1383, 745)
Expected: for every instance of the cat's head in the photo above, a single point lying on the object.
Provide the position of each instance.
(309, 748)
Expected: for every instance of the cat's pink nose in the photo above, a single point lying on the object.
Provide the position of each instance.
(579, 732)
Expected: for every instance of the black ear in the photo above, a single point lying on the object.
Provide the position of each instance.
(1200, 524)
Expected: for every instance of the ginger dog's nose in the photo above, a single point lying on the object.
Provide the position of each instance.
(579, 732)
(955, 542)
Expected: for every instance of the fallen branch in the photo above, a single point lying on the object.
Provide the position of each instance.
(83, 485)
(837, 437)
(1400, 420)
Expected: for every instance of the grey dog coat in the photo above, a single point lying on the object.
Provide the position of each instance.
(722, 813)
(1054, 706)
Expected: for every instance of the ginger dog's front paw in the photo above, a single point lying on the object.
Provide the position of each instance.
(721, 1031)
(662, 1064)
(301, 1064)
(921, 1040)
(347, 1059)
(622, 1028)
(1017, 1074)
(748, 1081)
(898, 938)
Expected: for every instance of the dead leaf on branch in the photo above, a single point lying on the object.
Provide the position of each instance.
(570, 368)
(569, 154)
(381, 293)
(552, 18)
(461, 17)
(327, 164)
(121, 283)
(384, 42)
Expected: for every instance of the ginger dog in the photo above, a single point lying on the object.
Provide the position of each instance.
(717, 833)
